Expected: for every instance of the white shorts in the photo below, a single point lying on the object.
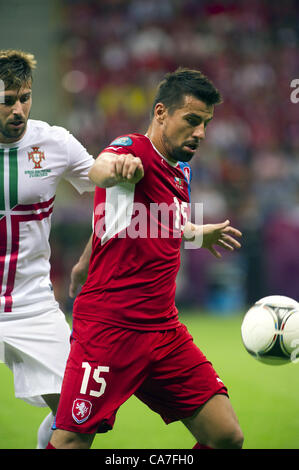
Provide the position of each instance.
(36, 349)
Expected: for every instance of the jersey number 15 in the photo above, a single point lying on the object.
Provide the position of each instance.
(96, 377)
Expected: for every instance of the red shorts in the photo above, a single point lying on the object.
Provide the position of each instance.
(108, 364)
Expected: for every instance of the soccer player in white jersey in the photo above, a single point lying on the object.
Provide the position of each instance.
(34, 157)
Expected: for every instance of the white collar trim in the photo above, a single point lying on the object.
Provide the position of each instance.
(164, 158)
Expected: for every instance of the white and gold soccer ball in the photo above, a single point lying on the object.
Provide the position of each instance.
(270, 330)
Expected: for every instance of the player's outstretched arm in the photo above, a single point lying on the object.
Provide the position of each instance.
(206, 236)
(110, 169)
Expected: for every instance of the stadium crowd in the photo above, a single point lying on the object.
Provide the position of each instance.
(112, 54)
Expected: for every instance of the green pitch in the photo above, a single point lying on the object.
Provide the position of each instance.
(265, 399)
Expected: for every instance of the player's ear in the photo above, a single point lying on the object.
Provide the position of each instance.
(160, 112)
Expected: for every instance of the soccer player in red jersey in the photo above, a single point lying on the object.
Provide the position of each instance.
(127, 338)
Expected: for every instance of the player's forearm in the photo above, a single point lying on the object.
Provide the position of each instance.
(103, 172)
(111, 169)
(85, 256)
(80, 270)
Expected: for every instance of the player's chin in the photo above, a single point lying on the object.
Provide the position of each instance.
(187, 152)
(183, 154)
(186, 156)
(15, 131)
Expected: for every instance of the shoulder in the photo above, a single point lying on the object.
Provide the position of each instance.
(47, 131)
(136, 144)
(128, 142)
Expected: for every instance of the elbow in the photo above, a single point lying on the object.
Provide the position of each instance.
(95, 176)
(90, 174)
(101, 177)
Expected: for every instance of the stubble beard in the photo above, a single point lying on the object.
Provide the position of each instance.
(175, 153)
(13, 134)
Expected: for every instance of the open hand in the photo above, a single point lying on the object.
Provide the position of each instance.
(222, 235)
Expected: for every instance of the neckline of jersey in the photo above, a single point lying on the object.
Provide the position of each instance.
(174, 165)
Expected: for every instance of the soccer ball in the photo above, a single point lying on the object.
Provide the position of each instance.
(270, 330)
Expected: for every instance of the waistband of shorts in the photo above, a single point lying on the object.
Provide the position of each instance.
(128, 326)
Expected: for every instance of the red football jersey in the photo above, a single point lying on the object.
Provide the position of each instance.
(136, 243)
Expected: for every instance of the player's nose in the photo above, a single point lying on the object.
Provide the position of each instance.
(199, 131)
(17, 109)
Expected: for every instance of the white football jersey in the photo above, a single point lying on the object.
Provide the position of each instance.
(30, 170)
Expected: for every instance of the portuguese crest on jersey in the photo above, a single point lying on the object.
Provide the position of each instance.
(36, 156)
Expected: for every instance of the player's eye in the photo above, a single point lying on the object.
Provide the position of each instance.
(9, 100)
(25, 98)
(193, 121)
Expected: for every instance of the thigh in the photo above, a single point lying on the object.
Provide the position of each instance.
(105, 367)
(36, 349)
(215, 424)
(44, 338)
(181, 378)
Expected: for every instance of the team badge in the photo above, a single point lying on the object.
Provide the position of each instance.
(81, 410)
(187, 173)
(36, 156)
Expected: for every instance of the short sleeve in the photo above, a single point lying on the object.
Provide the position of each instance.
(80, 162)
(129, 144)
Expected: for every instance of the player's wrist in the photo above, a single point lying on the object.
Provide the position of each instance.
(194, 233)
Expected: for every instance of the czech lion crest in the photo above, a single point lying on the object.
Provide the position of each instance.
(81, 410)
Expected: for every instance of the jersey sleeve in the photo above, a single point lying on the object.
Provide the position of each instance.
(80, 162)
(128, 144)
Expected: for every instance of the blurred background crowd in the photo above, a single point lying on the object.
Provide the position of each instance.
(110, 56)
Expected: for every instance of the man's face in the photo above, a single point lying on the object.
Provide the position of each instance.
(184, 128)
(15, 105)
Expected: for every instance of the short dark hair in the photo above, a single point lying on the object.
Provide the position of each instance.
(185, 82)
(16, 68)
